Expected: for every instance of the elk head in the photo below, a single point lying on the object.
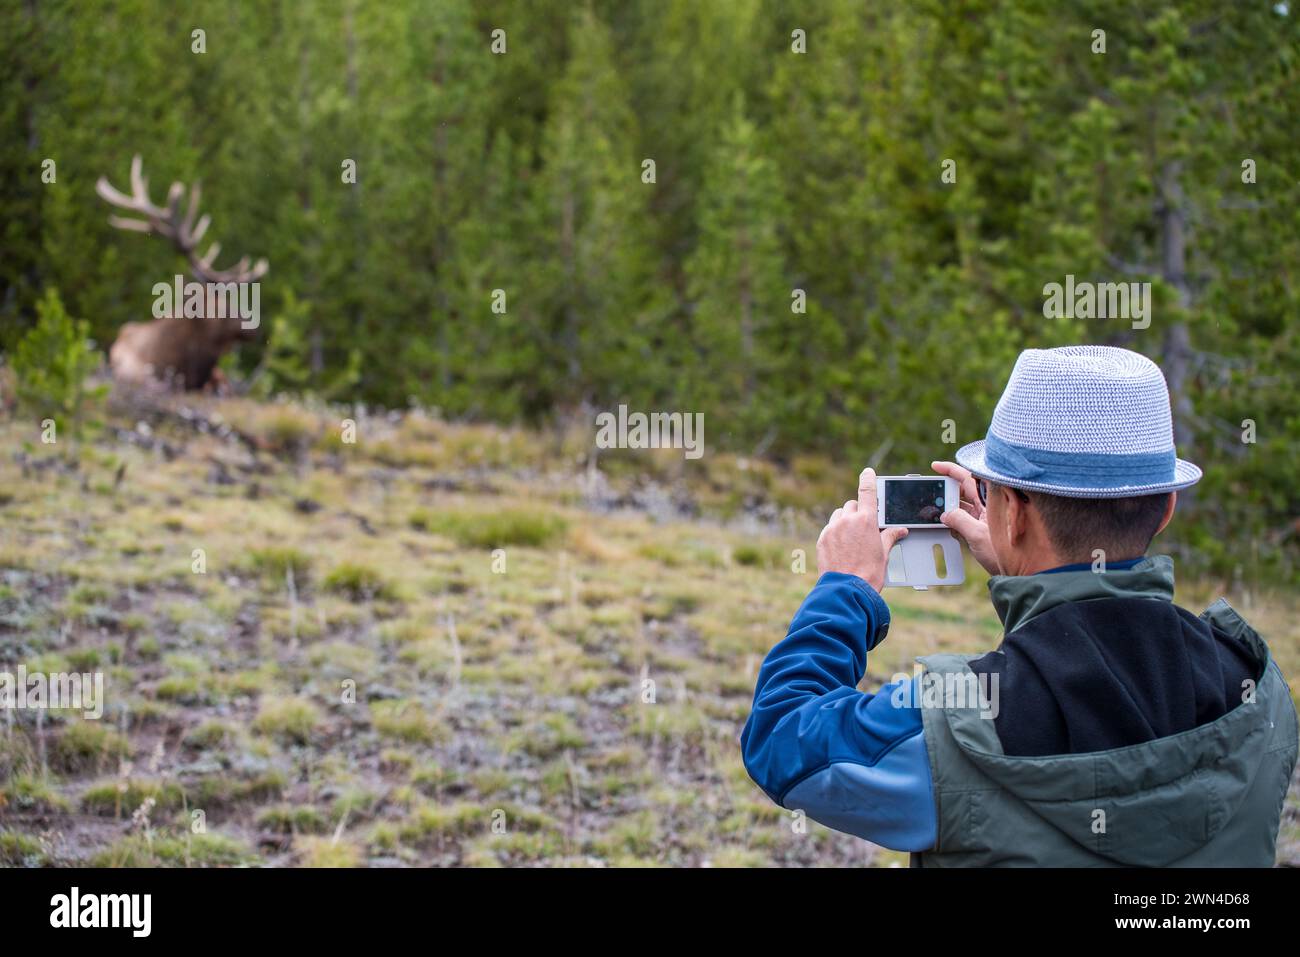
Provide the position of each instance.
(175, 349)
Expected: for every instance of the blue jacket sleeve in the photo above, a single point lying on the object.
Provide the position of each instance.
(855, 762)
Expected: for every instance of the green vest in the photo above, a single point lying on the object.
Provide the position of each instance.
(1208, 797)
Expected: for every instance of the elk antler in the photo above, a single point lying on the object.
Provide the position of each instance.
(183, 232)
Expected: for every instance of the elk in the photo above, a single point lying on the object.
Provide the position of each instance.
(174, 349)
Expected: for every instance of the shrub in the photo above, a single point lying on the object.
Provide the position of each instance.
(51, 364)
(284, 368)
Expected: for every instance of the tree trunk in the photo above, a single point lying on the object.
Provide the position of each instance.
(1177, 347)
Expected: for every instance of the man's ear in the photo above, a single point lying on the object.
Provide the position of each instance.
(1169, 512)
(1016, 510)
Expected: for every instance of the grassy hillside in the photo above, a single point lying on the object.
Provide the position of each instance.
(497, 603)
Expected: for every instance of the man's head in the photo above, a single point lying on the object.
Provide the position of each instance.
(1079, 458)
(1031, 531)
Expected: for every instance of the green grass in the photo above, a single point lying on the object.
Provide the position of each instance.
(326, 852)
(20, 850)
(88, 745)
(406, 721)
(210, 735)
(547, 738)
(358, 582)
(430, 822)
(32, 792)
(530, 528)
(193, 850)
(292, 720)
(273, 563)
(474, 689)
(120, 798)
(292, 819)
(224, 791)
(182, 689)
(757, 556)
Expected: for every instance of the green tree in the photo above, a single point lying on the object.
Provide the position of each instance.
(51, 364)
(593, 300)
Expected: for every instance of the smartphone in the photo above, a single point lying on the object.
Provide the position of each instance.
(915, 501)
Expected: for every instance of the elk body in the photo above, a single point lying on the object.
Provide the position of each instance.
(174, 349)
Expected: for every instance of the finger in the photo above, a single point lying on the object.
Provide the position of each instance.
(971, 508)
(951, 469)
(851, 505)
(834, 515)
(891, 537)
(963, 523)
(965, 481)
(867, 491)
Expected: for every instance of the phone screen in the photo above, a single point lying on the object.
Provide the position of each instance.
(913, 502)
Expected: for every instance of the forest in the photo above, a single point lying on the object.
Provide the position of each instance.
(828, 227)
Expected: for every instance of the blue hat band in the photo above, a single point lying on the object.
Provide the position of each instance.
(1095, 470)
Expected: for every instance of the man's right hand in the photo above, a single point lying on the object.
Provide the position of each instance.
(969, 521)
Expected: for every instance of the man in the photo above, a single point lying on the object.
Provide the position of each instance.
(1113, 728)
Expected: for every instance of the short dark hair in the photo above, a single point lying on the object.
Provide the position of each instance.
(1121, 527)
